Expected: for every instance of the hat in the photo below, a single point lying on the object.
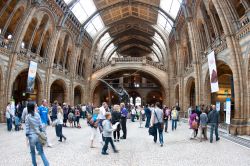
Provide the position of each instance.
(64, 103)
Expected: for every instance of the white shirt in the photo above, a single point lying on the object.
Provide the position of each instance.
(102, 113)
(59, 118)
(83, 108)
(24, 114)
(133, 111)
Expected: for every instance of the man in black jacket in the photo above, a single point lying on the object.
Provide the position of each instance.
(213, 120)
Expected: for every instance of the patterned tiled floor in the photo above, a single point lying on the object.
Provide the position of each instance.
(137, 150)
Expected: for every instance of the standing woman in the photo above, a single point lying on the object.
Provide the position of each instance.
(60, 124)
(193, 123)
(116, 117)
(33, 124)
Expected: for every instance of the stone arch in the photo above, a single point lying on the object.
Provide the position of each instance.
(59, 91)
(78, 94)
(12, 24)
(38, 85)
(154, 72)
(190, 92)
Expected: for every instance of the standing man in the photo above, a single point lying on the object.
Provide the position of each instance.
(148, 116)
(44, 114)
(157, 123)
(213, 120)
(174, 115)
(8, 117)
(124, 114)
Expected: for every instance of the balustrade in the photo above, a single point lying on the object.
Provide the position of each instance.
(130, 59)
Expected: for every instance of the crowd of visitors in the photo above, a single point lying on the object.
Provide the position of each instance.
(105, 122)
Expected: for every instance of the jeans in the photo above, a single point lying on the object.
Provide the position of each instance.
(34, 143)
(147, 121)
(59, 131)
(132, 117)
(124, 127)
(158, 127)
(9, 124)
(117, 132)
(107, 141)
(166, 125)
(214, 127)
(174, 124)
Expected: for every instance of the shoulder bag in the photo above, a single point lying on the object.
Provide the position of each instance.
(161, 123)
(41, 135)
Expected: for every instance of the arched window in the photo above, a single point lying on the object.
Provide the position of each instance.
(138, 101)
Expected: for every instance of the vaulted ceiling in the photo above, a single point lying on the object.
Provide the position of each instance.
(130, 23)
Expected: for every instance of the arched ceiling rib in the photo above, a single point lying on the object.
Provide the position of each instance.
(127, 18)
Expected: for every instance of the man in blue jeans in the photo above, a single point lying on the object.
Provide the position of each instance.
(157, 120)
(213, 120)
(174, 115)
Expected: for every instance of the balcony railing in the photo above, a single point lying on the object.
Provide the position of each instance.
(244, 27)
(141, 60)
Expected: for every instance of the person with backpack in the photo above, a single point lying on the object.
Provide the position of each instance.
(193, 124)
(213, 120)
(174, 115)
(157, 123)
(33, 125)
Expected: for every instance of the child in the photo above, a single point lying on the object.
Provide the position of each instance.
(107, 134)
(70, 118)
(17, 122)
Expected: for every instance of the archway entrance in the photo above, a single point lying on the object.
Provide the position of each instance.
(190, 93)
(226, 85)
(137, 83)
(77, 95)
(19, 88)
(153, 97)
(58, 91)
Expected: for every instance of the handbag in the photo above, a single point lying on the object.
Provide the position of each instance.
(41, 135)
(194, 125)
(54, 123)
(151, 131)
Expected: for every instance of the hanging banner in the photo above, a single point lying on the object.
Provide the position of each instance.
(228, 110)
(31, 77)
(213, 72)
